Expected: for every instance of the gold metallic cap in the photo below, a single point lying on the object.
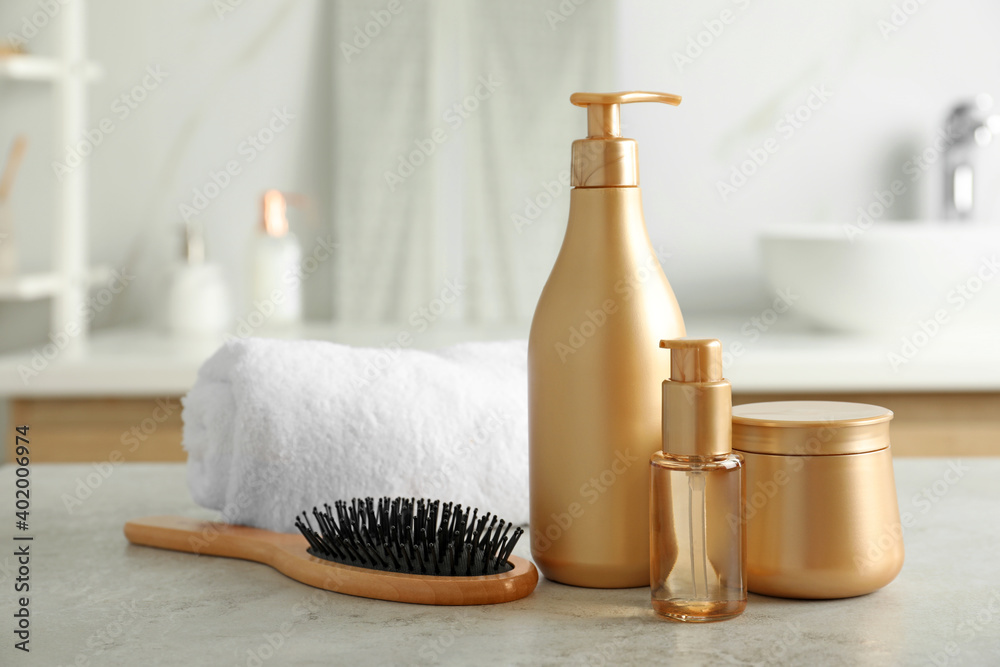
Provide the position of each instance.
(810, 428)
(697, 400)
(274, 220)
(604, 159)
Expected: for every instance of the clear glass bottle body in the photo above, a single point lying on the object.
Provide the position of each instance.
(697, 537)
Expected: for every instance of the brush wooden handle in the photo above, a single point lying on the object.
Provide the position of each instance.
(286, 553)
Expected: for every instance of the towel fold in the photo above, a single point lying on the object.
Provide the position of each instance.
(273, 428)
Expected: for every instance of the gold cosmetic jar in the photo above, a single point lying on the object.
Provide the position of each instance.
(822, 519)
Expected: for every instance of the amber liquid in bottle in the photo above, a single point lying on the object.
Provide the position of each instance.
(697, 538)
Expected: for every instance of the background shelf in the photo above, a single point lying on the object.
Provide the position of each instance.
(43, 284)
(39, 68)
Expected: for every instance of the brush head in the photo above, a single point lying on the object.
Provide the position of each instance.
(410, 536)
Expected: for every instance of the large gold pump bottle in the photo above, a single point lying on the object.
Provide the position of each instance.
(594, 367)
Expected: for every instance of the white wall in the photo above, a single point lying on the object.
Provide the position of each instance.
(223, 76)
(889, 95)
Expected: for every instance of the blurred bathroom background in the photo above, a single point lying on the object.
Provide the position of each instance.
(798, 199)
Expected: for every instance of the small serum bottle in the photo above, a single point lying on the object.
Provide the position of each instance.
(697, 541)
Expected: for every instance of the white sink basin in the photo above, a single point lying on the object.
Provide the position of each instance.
(892, 278)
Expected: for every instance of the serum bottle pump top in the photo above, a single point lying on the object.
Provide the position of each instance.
(697, 539)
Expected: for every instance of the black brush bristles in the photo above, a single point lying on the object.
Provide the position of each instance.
(410, 536)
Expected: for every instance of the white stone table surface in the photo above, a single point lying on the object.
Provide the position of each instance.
(97, 600)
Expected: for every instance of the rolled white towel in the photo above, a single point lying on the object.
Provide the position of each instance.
(273, 428)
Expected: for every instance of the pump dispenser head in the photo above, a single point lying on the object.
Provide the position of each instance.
(604, 159)
(697, 400)
(694, 360)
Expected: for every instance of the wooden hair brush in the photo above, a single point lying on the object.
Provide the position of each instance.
(398, 549)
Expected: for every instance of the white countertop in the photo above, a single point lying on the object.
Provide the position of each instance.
(787, 357)
(97, 600)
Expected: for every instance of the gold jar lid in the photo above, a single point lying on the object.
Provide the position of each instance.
(810, 428)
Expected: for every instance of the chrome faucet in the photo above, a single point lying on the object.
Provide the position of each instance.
(970, 125)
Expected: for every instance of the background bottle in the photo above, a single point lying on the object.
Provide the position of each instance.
(277, 264)
(594, 369)
(697, 538)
